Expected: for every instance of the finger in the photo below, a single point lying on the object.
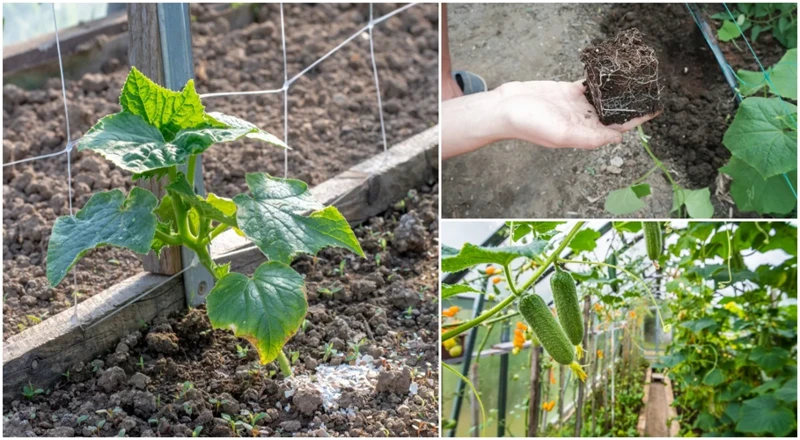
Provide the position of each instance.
(590, 138)
(633, 123)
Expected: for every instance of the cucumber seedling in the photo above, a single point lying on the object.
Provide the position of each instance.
(158, 131)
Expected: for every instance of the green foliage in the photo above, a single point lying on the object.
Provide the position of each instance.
(733, 358)
(159, 130)
(759, 18)
(763, 136)
(29, 391)
(627, 200)
(470, 255)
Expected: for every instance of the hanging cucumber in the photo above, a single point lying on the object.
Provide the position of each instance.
(550, 334)
(652, 239)
(565, 296)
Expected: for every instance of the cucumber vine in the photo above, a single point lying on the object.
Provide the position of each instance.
(157, 132)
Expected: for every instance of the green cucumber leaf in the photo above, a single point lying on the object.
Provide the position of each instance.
(697, 201)
(449, 290)
(752, 193)
(626, 200)
(750, 82)
(471, 255)
(274, 218)
(108, 218)
(585, 240)
(266, 309)
(132, 144)
(783, 76)
(524, 228)
(728, 31)
(765, 415)
(168, 111)
(253, 132)
(761, 135)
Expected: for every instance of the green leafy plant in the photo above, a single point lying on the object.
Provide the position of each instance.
(157, 132)
(760, 18)
(762, 138)
(29, 391)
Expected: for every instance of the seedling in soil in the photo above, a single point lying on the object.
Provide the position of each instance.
(622, 78)
(159, 131)
(187, 407)
(121, 433)
(253, 418)
(66, 375)
(235, 425)
(197, 430)
(355, 349)
(241, 352)
(29, 392)
(328, 352)
(295, 356)
(81, 419)
(141, 362)
(185, 387)
(217, 403)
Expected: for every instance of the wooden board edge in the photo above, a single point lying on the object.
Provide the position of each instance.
(40, 49)
(40, 354)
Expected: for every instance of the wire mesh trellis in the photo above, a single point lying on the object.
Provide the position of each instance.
(287, 83)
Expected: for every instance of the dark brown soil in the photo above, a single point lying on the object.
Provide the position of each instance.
(622, 78)
(698, 103)
(333, 125)
(176, 375)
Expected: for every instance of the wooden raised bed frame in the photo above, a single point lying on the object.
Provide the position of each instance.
(42, 353)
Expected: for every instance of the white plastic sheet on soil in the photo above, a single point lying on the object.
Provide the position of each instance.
(330, 380)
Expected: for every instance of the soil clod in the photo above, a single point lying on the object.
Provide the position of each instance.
(622, 78)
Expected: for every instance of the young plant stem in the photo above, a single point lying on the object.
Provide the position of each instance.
(190, 170)
(630, 274)
(508, 300)
(659, 164)
(171, 240)
(286, 366)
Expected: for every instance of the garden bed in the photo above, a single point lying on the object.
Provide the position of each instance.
(333, 125)
(379, 314)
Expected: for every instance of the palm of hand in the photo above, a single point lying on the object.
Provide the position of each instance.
(558, 115)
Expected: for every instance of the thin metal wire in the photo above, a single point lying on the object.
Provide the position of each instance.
(291, 81)
(30, 159)
(375, 75)
(285, 100)
(68, 150)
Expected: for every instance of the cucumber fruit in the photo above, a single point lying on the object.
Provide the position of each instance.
(565, 296)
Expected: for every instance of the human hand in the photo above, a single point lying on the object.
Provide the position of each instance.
(558, 115)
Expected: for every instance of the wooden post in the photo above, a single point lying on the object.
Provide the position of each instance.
(534, 401)
(144, 53)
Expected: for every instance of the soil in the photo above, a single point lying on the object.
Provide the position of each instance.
(173, 376)
(657, 411)
(622, 78)
(514, 179)
(333, 125)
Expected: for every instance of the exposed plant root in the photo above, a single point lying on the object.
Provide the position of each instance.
(622, 78)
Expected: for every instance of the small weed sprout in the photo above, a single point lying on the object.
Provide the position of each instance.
(241, 352)
(29, 391)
